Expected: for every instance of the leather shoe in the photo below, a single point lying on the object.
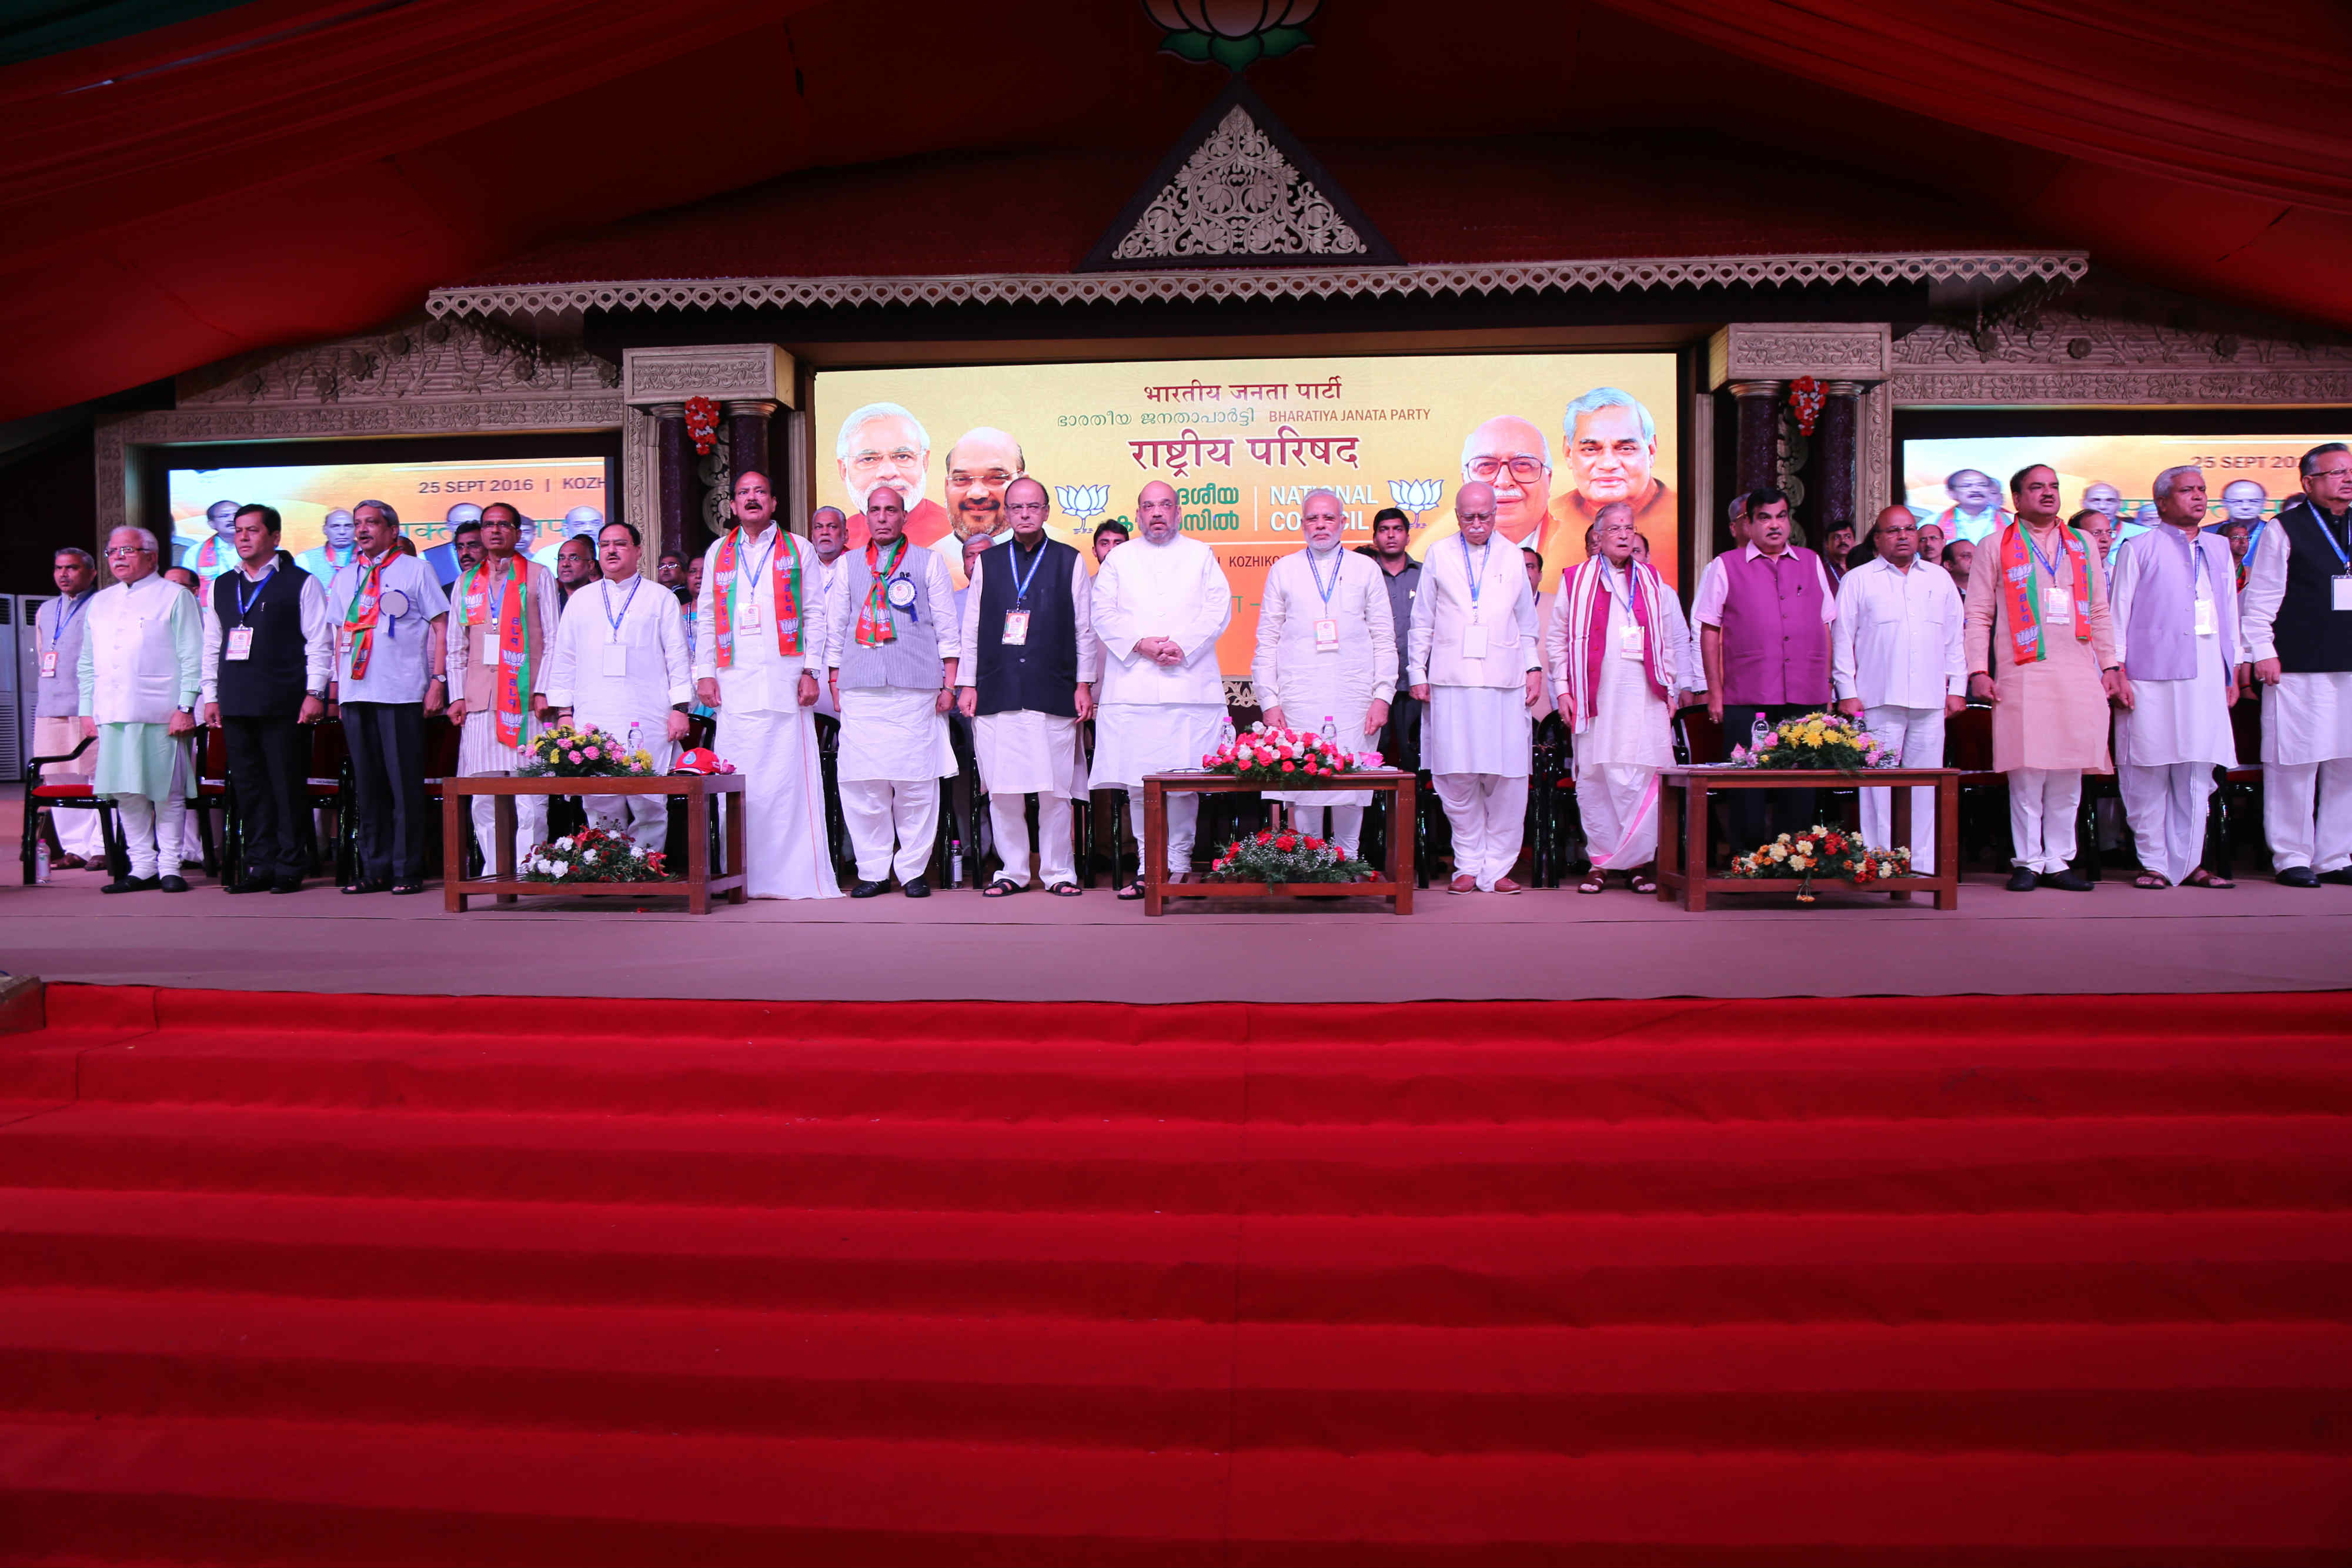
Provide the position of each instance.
(869, 889)
(2069, 880)
(2340, 877)
(2022, 879)
(175, 882)
(286, 884)
(132, 884)
(917, 888)
(250, 884)
(2298, 876)
(368, 885)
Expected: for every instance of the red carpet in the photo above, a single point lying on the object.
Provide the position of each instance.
(407, 1280)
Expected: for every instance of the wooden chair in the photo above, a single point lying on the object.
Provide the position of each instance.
(330, 789)
(212, 792)
(441, 738)
(1984, 794)
(70, 794)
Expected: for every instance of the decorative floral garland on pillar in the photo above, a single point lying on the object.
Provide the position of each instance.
(702, 424)
(1805, 401)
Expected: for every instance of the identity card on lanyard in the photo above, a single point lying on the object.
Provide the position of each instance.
(1474, 636)
(1016, 619)
(65, 613)
(2060, 610)
(1327, 629)
(616, 657)
(2205, 627)
(2340, 588)
(240, 636)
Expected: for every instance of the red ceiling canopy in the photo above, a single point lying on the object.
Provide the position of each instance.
(290, 169)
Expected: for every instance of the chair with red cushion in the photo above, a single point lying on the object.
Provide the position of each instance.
(72, 795)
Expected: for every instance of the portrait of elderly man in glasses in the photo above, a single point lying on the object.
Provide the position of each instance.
(1509, 455)
(883, 444)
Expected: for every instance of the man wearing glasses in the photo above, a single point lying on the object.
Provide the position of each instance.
(2298, 636)
(1610, 443)
(140, 670)
(980, 467)
(880, 445)
(1508, 455)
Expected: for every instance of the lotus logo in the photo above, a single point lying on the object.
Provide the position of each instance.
(1083, 501)
(1233, 33)
(1416, 495)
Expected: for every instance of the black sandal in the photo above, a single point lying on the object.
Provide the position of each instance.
(1595, 881)
(1003, 887)
(1131, 891)
(1063, 889)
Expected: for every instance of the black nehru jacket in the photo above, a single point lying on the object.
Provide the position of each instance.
(2311, 635)
(269, 684)
(1040, 675)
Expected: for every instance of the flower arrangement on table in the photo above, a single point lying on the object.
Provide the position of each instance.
(1271, 856)
(1824, 852)
(1284, 755)
(1818, 740)
(593, 855)
(564, 752)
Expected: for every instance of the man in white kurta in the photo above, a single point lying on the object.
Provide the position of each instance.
(1159, 605)
(760, 676)
(890, 656)
(2176, 618)
(2298, 631)
(487, 708)
(141, 669)
(1326, 655)
(1611, 652)
(1028, 667)
(620, 665)
(1471, 655)
(828, 535)
(1898, 660)
(57, 628)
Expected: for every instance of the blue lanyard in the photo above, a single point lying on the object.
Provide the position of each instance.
(1476, 577)
(2038, 556)
(2327, 533)
(1337, 566)
(65, 618)
(1021, 580)
(635, 583)
(754, 574)
(244, 602)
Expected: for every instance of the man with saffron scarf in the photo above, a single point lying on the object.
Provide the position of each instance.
(498, 640)
(1899, 663)
(758, 638)
(1612, 648)
(388, 663)
(890, 651)
(2042, 649)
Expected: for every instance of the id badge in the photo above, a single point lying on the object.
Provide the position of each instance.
(2059, 611)
(240, 642)
(2340, 592)
(750, 614)
(48, 664)
(1327, 635)
(1016, 629)
(2205, 618)
(1629, 641)
(1474, 642)
(616, 659)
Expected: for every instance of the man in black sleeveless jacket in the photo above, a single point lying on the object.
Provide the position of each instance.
(2297, 617)
(268, 651)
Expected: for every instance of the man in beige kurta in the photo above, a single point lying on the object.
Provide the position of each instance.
(2049, 716)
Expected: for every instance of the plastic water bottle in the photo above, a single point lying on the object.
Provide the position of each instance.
(634, 729)
(1331, 731)
(40, 857)
(1225, 736)
(955, 861)
(1758, 734)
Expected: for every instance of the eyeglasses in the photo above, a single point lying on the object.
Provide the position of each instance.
(995, 478)
(113, 550)
(2332, 473)
(1526, 470)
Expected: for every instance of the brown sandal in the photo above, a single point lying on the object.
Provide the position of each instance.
(2200, 877)
(1595, 881)
(2151, 879)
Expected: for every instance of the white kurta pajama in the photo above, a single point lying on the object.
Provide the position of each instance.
(2176, 732)
(894, 747)
(474, 655)
(2306, 724)
(619, 663)
(1477, 740)
(763, 729)
(1151, 718)
(142, 660)
(1312, 679)
(1899, 646)
(1625, 735)
(1024, 753)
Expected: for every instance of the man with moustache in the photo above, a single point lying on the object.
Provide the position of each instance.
(502, 627)
(1159, 610)
(1109, 534)
(340, 548)
(2298, 625)
(1510, 456)
(759, 637)
(216, 553)
(1899, 666)
(389, 659)
(829, 536)
(575, 567)
(620, 665)
(1472, 658)
(58, 628)
(462, 550)
(979, 466)
(1028, 660)
(1400, 738)
(1975, 510)
(2099, 496)
(1611, 445)
(139, 671)
(883, 444)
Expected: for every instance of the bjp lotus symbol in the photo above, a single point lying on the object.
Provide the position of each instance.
(1416, 495)
(1083, 501)
(1233, 33)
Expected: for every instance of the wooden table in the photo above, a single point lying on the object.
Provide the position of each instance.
(1397, 887)
(696, 886)
(1683, 827)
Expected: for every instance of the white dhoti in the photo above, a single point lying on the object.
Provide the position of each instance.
(2167, 805)
(1915, 735)
(479, 756)
(1619, 804)
(1022, 754)
(2167, 743)
(2308, 770)
(2041, 807)
(892, 752)
(784, 853)
(1617, 756)
(1478, 742)
(1132, 739)
(77, 829)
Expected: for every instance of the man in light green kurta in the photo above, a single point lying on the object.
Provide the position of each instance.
(141, 663)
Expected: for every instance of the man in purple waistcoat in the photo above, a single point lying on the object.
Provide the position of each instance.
(2175, 606)
(1765, 614)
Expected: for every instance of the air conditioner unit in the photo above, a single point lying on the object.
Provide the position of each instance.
(19, 678)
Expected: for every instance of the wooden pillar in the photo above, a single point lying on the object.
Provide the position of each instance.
(1833, 464)
(747, 437)
(1760, 432)
(676, 476)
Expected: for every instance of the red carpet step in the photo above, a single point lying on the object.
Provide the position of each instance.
(415, 1280)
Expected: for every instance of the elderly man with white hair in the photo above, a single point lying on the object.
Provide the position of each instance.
(2299, 610)
(340, 548)
(1609, 442)
(142, 668)
(1510, 456)
(1470, 656)
(1159, 605)
(883, 444)
(1326, 654)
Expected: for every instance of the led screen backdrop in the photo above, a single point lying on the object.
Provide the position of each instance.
(1955, 479)
(1242, 441)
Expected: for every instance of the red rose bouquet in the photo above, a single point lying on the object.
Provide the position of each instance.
(1280, 756)
(1283, 857)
